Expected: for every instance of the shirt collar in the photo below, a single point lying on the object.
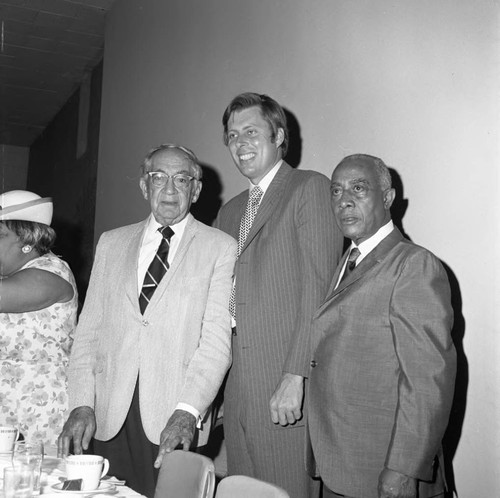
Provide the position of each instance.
(369, 244)
(266, 181)
(178, 228)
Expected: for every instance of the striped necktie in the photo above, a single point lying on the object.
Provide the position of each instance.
(157, 268)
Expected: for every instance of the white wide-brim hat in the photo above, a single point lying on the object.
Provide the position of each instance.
(26, 206)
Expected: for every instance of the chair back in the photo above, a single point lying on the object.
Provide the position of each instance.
(184, 474)
(248, 487)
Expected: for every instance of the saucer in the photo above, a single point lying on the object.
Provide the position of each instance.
(104, 487)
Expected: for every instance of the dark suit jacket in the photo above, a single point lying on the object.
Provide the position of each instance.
(282, 276)
(381, 390)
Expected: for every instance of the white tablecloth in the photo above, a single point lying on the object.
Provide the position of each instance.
(53, 472)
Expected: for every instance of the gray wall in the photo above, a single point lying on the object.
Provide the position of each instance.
(59, 168)
(415, 83)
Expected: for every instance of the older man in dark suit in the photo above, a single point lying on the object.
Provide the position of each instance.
(288, 248)
(383, 363)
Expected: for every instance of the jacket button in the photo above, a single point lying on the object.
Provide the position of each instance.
(313, 363)
(145, 323)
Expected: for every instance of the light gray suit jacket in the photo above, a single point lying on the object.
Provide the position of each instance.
(180, 347)
(381, 389)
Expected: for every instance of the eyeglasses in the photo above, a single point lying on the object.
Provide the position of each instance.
(181, 181)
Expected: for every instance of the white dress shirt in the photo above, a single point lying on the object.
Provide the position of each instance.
(266, 181)
(150, 242)
(368, 245)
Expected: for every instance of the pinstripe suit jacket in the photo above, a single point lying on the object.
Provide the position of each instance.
(381, 391)
(180, 347)
(282, 275)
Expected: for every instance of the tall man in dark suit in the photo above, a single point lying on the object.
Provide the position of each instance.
(152, 349)
(285, 265)
(383, 362)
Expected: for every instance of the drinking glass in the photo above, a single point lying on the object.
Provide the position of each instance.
(18, 482)
(29, 454)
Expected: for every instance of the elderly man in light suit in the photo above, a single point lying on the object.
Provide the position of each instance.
(143, 379)
(285, 265)
(383, 362)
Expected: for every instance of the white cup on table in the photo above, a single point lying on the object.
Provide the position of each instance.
(8, 436)
(89, 468)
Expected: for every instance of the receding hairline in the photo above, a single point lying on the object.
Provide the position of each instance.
(382, 171)
(187, 153)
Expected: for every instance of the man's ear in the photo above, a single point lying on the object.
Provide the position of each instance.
(280, 137)
(144, 187)
(197, 191)
(389, 196)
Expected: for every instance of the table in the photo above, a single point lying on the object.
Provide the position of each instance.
(53, 472)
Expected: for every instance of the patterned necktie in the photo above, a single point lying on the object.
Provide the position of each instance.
(250, 212)
(245, 225)
(351, 262)
(157, 268)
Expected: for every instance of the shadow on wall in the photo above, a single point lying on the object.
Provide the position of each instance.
(454, 430)
(207, 206)
(400, 204)
(68, 245)
(294, 153)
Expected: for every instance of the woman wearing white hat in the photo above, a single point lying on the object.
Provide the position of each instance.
(38, 306)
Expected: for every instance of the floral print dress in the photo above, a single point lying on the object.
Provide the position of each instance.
(34, 352)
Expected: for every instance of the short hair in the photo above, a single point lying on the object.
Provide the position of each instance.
(38, 235)
(383, 173)
(190, 155)
(271, 111)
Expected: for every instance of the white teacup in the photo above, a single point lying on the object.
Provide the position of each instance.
(8, 436)
(89, 468)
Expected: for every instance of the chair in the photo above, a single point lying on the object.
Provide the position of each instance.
(248, 487)
(184, 474)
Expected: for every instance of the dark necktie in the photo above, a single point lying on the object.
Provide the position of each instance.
(245, 226)
(351, 262)
(157, 268)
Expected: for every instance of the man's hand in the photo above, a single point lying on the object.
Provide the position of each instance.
(286, 401)
(392, 484)
(79, 428)
(180, 429)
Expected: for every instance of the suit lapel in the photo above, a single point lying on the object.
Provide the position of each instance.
(131, 260)
(180, 254)
(237, 214)
(269, 201)
(365, 266)
(336, 275)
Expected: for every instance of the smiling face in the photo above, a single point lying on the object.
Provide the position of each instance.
(170, 204)
(251, 145)
(360, 205)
